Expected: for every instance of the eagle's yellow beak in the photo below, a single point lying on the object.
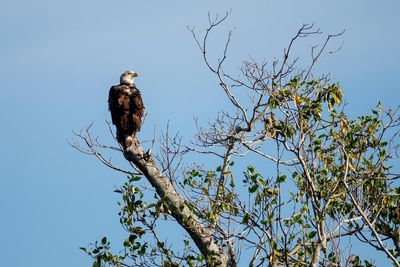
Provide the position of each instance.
(135, 74)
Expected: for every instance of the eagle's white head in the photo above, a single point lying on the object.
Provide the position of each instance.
(128, 77)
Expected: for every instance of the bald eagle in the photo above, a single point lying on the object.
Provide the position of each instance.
(126, 107)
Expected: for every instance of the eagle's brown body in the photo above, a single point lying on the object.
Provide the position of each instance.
(127, 109)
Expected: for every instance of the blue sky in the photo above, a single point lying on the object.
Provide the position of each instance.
(59, 58)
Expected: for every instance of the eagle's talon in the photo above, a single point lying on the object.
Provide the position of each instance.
(147, 155)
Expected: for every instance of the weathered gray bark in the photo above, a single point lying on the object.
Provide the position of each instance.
(201, 235)
(316, 255)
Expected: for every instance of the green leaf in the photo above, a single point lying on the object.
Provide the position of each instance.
(312, 234)
(246, 219)
(281, 179)
(253, 188)
(135, 178)
(250, 170)
(132, 238)
(127, 243)
(297, 218)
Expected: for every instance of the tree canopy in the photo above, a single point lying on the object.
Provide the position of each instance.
(295, 180)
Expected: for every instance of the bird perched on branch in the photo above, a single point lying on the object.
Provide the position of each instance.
(126, 107)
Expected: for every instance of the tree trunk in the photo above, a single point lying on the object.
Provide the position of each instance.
(201, 235)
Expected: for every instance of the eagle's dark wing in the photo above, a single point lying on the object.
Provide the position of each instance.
(137, 109)
(118, 104)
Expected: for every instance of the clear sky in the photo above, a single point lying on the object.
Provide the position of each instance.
(59, 58)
